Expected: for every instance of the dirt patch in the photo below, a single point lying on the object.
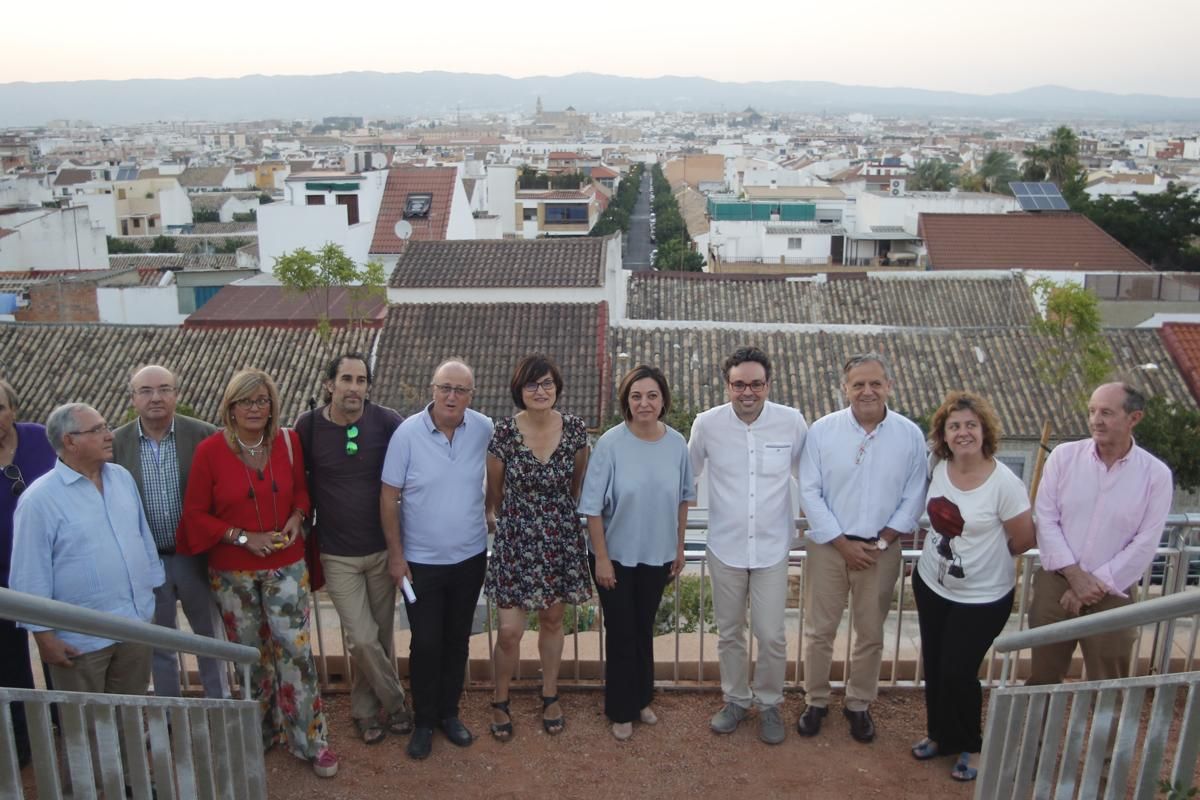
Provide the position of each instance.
(676, 758)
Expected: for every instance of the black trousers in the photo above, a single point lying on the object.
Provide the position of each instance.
(954, 639)
(15, 673)
(440, 622)
(629, 611)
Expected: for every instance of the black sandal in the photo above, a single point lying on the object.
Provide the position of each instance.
(552, 726)
(502, 731)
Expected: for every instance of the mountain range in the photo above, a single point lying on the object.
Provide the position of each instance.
(418, 94)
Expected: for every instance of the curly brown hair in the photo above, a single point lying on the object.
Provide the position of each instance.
(964, 401)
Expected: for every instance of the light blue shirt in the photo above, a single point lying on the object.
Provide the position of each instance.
(441, 483)
(858, 483)
(636, 487)
(74, 544)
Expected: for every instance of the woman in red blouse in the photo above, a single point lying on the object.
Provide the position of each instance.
(246, 500)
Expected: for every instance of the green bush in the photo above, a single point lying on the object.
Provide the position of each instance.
(689, 607)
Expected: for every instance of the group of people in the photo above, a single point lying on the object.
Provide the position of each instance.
(167, 509)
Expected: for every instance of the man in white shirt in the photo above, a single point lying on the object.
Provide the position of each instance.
(750, 451)
(862, 484)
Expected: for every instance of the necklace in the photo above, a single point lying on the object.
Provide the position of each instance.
(253, 496)
(251, 449)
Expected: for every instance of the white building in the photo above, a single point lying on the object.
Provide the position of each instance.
(320, 208)
(52, 238)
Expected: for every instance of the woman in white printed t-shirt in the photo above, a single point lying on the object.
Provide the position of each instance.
(964, 582)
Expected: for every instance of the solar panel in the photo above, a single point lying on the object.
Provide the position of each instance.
(1038, 196)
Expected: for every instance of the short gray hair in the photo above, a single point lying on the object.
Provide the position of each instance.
(859, 359)
(60, 422)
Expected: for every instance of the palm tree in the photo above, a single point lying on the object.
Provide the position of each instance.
(933, 175)
(997, 170)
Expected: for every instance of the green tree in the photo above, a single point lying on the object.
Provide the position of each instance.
(118, 246)
(997, 169)
(163, 244)
(264, 199)
(933, 175)
(316, 275)
(206, 215)
(1171, 431)
(1058, 162)
(1071, 321)
(674, 255)
(1160, 228)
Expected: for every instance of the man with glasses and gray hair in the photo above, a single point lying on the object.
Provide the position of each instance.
(862, 485)
(81, 536)
(157, 448)
(344, 442)
(432, 507)
(749, 450)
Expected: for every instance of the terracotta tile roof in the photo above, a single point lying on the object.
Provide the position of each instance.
(1053, 241)
(92, 362)
(270, 306)
(202, 177)
(70, 177)
(932, 302)
(160, 261)
(1183, 343)
(603, 172)
(807, 369)
(551, 262)
(563, 156)
(492, 338)
(401, 182)
(150, 276)
(17, 281)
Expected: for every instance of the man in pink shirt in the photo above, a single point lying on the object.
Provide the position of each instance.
(1101, 509)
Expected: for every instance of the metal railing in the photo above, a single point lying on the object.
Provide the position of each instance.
(1028, 752)
(692, 663)
(198, 748)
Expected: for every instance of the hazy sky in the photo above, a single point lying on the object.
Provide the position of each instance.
(1147, 46)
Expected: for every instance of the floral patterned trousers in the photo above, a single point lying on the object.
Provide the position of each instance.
(269, 610)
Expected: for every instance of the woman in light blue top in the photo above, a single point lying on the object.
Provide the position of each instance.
(635, 497)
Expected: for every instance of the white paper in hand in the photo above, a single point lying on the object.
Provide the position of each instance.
(407, 588)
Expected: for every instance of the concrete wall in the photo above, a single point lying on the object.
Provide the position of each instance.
(502, 196)
(53, 239)
(139, 305)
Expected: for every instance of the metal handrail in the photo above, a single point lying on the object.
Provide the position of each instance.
(1147, 612)
(22, 607)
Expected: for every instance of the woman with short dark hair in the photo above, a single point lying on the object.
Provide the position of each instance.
(535, 467)
(635, 496)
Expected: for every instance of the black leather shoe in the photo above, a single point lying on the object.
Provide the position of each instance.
(456, 732)
(809, 723)
(421, 743)
(862, 728)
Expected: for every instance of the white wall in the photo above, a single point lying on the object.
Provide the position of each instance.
(874, 208)
(139, 305)
(174, 206)
(812, 245)
(502, 195)
(235, 205)
(283, 228)
(461, 224)
(103, 210)
(53, 239)
(24, 191)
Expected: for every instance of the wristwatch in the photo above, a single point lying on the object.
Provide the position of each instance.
(881, 543)
(241, 539)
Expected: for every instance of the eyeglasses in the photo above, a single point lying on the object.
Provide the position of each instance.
(545, 386)
(445, 389)
(150, 391)
(103, 427)
(13, 473)
(754, 386)
(351, 435)
(247, 403)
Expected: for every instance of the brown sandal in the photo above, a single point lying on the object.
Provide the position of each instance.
(370, 730)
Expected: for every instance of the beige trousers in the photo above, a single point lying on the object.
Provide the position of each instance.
(828, 584)
(1105, 656)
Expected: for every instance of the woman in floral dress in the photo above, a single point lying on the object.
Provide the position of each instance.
(535, 468)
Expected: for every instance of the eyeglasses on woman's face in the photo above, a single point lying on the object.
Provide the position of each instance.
(546, 385)
(246, 403)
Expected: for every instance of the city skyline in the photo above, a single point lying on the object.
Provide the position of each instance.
(934, 44)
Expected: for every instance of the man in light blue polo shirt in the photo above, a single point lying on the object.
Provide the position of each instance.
(81, 536)
(437, 539)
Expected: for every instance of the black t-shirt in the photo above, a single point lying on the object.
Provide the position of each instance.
(345, 488)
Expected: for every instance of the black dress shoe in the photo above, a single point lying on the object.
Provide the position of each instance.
(809, 723)
(421, 743)
(862, 728)
(456, 732)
